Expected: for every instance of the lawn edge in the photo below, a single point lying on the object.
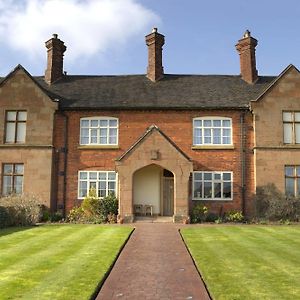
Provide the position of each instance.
(194, 262)
(101, 283)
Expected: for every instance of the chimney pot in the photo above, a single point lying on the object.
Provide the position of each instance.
(55, 59)
(155, 42)
(246, 48)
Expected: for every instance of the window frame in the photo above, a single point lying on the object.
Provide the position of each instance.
(212, 118)
(213, 180)
(16, 122)
(97, 182)
(12, 175)
(98, 131)
(295, 178)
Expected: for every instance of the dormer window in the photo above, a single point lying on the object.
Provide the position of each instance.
(99, 131)
(212, 131)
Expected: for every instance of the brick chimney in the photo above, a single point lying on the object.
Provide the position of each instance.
(246, 48)
(55, 59)
(155, 42)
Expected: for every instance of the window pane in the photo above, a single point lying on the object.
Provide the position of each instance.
(226, 132)
(226, 123)
(226, 176)
(197, 123)
(7, 185)
(207, 176)
(11, 116)
(207, 123)
(226, 140)
(217, 123)
(217, 136)
(85, 123)
(103, 123)
(197, 189)
(287, 116)
(8, 168)
(197, 176)
(22, 116)
(298, 187)
(113, 123)
(197, 136)
(10, 132)
(94, 123)
(112, 140)
(83, 175)
(207, 136)
(19, 169)
(297, 133)
(111, 185)
(102, 176)
(18, 184)
(217, 176)
(113, 132)
(287, 133)
(217, 191)
(21, 132)
(290, 186)
(227, 190)
(82, 189)
(103, 132)
(93, 175)
(102, 193)
(297, 116)
(207, 189)
(103, 140)
(298, 171)
(111, 176)
(84, 132)
(84, 140)
(289, 171)
(102, 185)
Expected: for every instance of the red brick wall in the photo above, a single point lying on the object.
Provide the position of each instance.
(178, 126)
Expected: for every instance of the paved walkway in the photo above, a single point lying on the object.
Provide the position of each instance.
(154, 264)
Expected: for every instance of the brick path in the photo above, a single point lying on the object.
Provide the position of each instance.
(154, 264)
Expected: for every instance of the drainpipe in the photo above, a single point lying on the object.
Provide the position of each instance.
(243, 159)
(65, 151)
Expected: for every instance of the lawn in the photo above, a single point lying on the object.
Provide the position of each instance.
(247, 262)
(57, 261)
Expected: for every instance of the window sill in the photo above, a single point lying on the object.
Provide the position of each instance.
(213, 147)
(210, 200)
(91, 147)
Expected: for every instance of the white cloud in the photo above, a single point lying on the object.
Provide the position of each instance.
(87, 27)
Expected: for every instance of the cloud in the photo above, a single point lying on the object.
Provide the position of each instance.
(87, 27)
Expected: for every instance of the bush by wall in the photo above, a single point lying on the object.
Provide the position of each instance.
(95, 210)
(19, 210)
(272, 205)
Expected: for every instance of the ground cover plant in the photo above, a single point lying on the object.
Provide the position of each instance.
(247, 262)
(57, 261)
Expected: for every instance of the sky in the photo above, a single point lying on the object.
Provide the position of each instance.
(108, 36)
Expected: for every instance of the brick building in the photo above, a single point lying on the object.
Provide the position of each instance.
(158, 141)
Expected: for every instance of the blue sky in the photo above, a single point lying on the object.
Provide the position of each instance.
(107, 36)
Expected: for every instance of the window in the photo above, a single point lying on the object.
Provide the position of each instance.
(212, 131)
(12, 179)
(292, 181)
(291, 127)
(99, 131)
(104, 182)
(212, 185)
(15, 126)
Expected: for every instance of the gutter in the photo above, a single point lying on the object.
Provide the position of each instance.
(243, 159)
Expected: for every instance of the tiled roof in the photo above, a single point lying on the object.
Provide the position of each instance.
(138, 92)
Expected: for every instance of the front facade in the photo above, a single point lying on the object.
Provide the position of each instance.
(161, 143)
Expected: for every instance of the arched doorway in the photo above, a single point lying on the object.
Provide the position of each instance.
(153, 188)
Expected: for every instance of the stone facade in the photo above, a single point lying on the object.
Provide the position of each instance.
(20, 92)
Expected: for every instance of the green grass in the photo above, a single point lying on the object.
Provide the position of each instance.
(247, 262)
(57, 261)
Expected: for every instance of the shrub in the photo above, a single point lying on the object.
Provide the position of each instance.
(56, 217)
(95, 210)
(23, 209)
(273, 205)
(234, 216)
(5, 218)
(211, 217)
(199, 213)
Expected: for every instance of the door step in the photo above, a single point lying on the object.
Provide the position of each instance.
(141, 219)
